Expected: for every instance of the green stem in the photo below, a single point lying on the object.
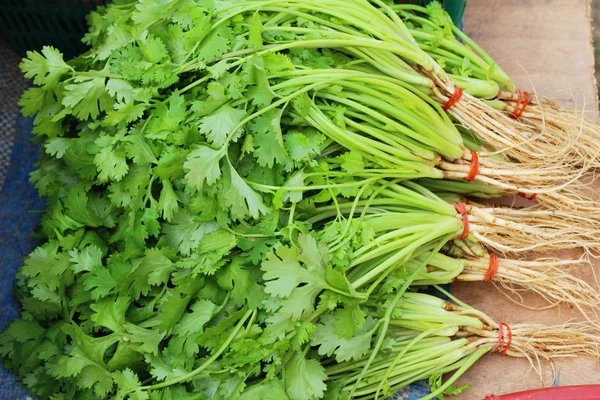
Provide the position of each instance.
(202, 367)
(388, 315)
(465, 365)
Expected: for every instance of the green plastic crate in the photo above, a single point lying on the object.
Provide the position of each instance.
(456, 8)
(31, 24)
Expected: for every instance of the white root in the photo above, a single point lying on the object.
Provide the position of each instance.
(551, 278)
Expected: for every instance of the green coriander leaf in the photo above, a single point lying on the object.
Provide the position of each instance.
(87, 208)
(87, 97)
(148, 12)
(156, 266)
(216, 91)
(242, 283)
(138, 149)
(219, 125)
(120, 89)
(304, 378)
(193, 322)
(185, 233)
(256, 248)
(352, 162)
(124, 112)
(299, 284)
(218, 69)
(241, 198)
(202, 164)
(215, 335)
(161, 371)
(86, 259)
(128, 384)
(154, 49)
(277, 62)
(57, 147)
(436, 381)
(302, 334)
(110, 312)
(290, 190)
(34, 100)
(46, 267)
(110, 160)
(172, 308)
(260, 91)
(255, 32)
(217, 43)
(46, 68)
(167, 117)
(270, 390)
(168, 201)
(268, 138)
(345, 349)
(85, 361)
(302, 104)
(100, 282)
(145, 341)
(303, 147)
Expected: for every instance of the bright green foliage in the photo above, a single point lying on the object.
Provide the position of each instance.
(46, 68)
(199, 238)
(304, 378)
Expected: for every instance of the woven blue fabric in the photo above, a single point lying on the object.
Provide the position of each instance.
(18, 199)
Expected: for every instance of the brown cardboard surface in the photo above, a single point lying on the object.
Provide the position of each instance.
(546, 44)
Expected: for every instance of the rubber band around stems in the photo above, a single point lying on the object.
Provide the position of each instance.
(531, 196)
(474, 166)
(458, 92)
(461, 208)
(502, 346)
(492, 268)
(523, 98)
(492, 397)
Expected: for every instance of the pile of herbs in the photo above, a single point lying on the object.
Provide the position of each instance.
(212, 229)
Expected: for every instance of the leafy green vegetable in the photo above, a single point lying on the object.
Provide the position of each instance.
(209, 168)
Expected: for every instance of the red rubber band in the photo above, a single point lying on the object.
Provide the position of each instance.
(492, 268)
(518, 104)
(531, 196)
(492, 397)
(458, 92)
(501, 346)
(461, 208)
(522, 102)
(527, 96)
(474, 167)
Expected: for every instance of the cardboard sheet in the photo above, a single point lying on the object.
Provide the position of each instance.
(546, 44)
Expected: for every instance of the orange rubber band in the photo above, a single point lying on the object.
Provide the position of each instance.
(492, 268)
(522, 102)
(525, 103)
(528, 196)
(458, 92)
(474, 167)
(518, 104)
(501, 346)
(461, 208)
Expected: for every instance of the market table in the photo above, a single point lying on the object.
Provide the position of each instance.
(546, 45)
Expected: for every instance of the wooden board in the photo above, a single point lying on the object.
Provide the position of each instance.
(546, 44)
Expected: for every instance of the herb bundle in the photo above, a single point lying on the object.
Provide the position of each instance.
(244, 199)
